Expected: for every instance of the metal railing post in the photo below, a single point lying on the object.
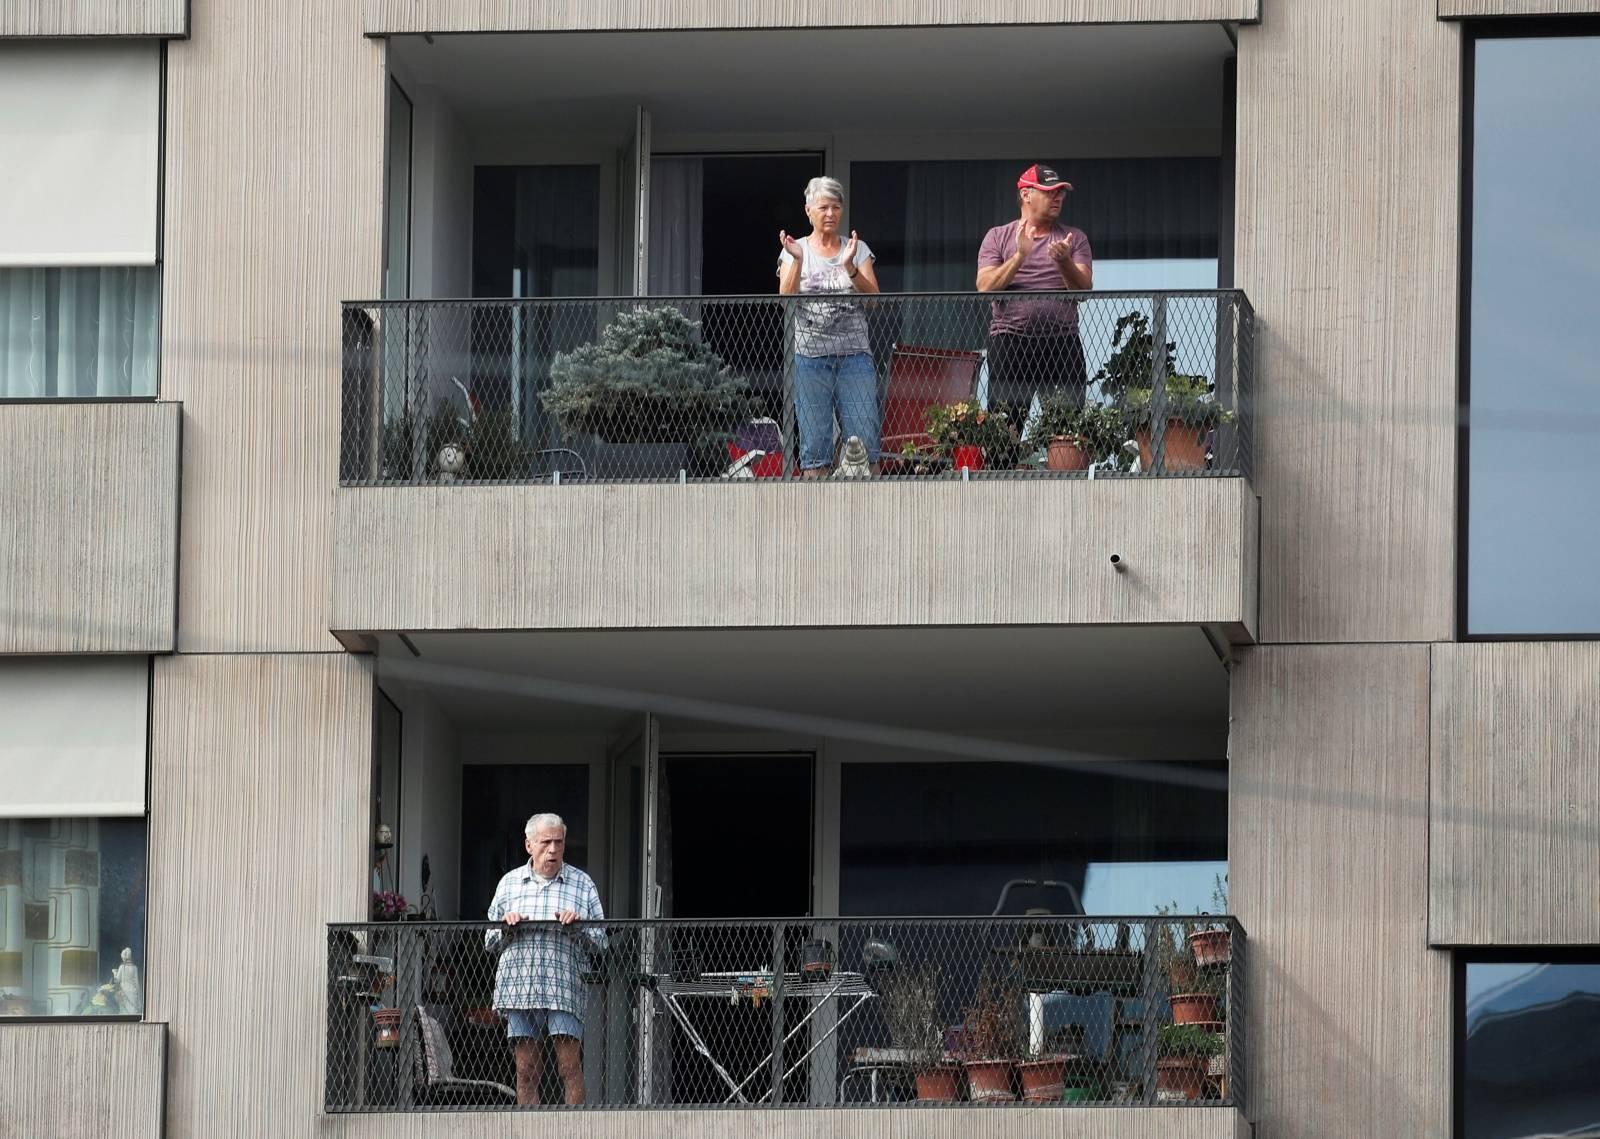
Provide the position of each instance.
(1150, 989)
(1158, 384)
(1237, 1057)
(407, 994)
(777, 1012)
(790, 440)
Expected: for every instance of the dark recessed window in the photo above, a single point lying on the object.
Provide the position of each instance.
(1532, 343)
(1529, 1062)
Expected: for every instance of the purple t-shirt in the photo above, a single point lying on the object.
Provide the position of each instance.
(1038, 271)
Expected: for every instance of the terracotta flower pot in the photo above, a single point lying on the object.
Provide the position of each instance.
(1193, 1008)
(1211, 947)
(939, 1085)
(1067, 453)
(1184, 447)
(989, 1081)
(388, 1025)
(1180, 1077)
(967, 457)
(1042, 1079)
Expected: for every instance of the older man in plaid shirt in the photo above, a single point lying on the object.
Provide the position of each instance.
(537, 983)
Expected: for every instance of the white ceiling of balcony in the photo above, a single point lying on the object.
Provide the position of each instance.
(948, 79)
(982, 680)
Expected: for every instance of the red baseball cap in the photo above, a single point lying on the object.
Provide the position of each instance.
(1038, 177)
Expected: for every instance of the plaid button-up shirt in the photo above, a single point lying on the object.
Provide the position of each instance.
(540, 965)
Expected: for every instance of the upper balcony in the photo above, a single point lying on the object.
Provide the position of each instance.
(509, 463)
(507, 424)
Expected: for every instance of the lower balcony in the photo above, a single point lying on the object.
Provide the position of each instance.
(1034, 1015)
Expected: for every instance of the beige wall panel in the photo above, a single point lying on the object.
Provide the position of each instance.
(82, 1081)
(259, 835)
(1347, 216)
(1453, 9)
(1514, 857)
(944, 1123)
(1349, 1010)
(94, 17)
(397, 16)
(88, 527)
(765, 553)
(274, 194)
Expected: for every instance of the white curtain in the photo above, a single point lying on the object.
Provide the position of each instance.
(78, 332)
(677, 253)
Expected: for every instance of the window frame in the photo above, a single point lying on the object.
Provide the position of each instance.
(1461, 959)
(1487, 28)
(144, 966)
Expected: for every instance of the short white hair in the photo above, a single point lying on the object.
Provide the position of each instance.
(824, 187)
(541, 821)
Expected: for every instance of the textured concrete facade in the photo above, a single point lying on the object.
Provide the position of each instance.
(1394, 795)
(89, 545)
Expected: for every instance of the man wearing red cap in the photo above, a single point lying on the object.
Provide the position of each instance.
(1033, 344)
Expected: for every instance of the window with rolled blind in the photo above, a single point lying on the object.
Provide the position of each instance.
(73, 734)
(80, 142)
(80, 287)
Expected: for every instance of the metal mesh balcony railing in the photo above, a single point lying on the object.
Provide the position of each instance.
(1101, 384)
(842, 1012)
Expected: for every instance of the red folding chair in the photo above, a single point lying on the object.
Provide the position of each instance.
(919, 378)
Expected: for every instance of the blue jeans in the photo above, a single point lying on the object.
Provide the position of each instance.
(541, 1022)
(825, 385)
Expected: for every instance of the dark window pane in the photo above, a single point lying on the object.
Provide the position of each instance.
(1531, 1063)
(944, 838)
(496, 802)
(1534, 365)
(925, 220)
(72, 895)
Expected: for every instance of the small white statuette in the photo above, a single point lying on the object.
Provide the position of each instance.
(130, 995)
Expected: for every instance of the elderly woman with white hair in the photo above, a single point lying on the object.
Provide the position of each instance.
(833, 374)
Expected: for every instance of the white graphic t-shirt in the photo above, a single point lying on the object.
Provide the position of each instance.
(828, 328)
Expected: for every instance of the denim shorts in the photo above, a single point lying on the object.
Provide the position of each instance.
(829, 385)
(541, 1022)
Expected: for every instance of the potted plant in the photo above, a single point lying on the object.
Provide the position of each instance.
(1212, 945)
(387, 905)
(1184, 1053)
(1193, 993)
(1043, 1078)
(1192, 414)
(1073, 436)
(911, 1008)
(650, 384)
(969, 434)
(992, 1034)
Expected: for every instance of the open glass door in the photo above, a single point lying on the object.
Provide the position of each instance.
(633, 208)
(634, 777)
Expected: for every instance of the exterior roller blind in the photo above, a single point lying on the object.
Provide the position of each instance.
(72, 736)
(80, 130)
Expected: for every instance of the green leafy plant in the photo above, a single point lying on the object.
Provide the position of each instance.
(1189, 398)
(1187, 1040)
(966, 424)
(1100, 427)
(1133, 351)
(650, 378)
